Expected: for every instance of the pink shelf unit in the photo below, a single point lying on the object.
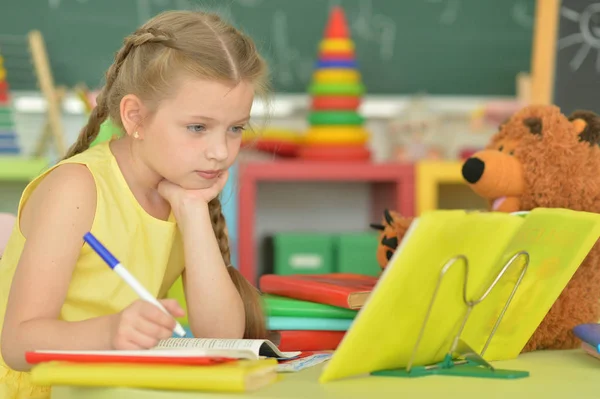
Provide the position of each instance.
(392, 186)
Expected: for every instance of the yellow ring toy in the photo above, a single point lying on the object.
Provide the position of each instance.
(336, 45)
(336, 75)
(336, 135)
(2, 74)
(270, 134)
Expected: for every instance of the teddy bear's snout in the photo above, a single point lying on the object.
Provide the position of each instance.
(493, 174)
(472, 170)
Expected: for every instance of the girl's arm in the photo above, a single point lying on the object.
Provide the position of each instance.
(215, 308)
(55, 218)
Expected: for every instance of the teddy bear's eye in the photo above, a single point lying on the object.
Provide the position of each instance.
(512, 152)
(500, 148)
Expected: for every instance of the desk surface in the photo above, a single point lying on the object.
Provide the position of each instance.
(557, 374)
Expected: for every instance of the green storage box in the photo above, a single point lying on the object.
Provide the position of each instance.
(356, 253)
(303, 253)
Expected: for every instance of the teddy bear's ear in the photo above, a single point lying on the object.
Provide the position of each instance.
(534, 125)
(579, 125)
(587, 126)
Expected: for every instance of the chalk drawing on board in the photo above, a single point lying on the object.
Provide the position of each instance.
(290, 65)
(521, 15)
(587, 38)
(450, 12)
(377, 28)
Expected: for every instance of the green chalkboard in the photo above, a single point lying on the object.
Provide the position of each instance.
(472, 47)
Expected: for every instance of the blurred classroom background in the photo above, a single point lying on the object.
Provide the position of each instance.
(424, 83)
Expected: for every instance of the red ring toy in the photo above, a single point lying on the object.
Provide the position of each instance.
(349, 103)
(335, 153)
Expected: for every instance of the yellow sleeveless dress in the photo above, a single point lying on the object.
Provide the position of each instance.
(151, 249)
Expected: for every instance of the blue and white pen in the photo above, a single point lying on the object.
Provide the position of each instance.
(114, 264)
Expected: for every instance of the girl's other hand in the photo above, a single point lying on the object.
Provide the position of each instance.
(142, 325)
(182, 199)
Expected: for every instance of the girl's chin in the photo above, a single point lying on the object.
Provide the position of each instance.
(196, 184)
(192, 182)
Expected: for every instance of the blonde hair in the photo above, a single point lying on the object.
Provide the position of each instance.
(201, 45)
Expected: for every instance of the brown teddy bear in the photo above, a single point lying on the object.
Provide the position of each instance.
(538, 158)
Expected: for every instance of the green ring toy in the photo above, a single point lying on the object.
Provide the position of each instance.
(335, 118)
(349, 89)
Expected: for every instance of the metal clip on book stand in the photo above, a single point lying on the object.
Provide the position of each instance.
(467, 363)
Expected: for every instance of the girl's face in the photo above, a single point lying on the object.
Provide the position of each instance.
(197, 134)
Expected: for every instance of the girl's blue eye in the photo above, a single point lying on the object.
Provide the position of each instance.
(238, 129)
(195, 128)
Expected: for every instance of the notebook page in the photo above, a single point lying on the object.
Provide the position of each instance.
(211, 343)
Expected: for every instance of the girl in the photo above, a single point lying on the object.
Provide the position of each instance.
(181, 89)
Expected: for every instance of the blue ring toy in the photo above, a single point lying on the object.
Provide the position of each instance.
(336, 64)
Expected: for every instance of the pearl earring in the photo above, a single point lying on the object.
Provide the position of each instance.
(136, 135)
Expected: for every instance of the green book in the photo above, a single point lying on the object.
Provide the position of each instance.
(289, 307)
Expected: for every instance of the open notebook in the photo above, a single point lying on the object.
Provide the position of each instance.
(172, 350)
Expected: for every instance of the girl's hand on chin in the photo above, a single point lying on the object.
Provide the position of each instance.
(182, 200)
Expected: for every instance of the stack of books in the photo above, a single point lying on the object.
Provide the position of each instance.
(312, 312)
(182, 364)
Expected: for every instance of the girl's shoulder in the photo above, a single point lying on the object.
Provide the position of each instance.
(66, 193)
(69, 179)
(66, 187)
(76, 175)
(72, 176)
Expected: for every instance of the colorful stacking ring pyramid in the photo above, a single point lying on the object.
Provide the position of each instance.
(336, 131)
(8, 134)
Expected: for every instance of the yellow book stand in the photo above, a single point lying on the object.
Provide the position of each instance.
(462, 290)
(461, 360)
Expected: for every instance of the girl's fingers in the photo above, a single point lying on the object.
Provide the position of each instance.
(172, 305)
(153, 330)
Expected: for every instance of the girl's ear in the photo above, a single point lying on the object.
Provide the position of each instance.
(132, 109)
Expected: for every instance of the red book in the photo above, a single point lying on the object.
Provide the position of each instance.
(345, 290)
(136, 357)
(309, 341)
